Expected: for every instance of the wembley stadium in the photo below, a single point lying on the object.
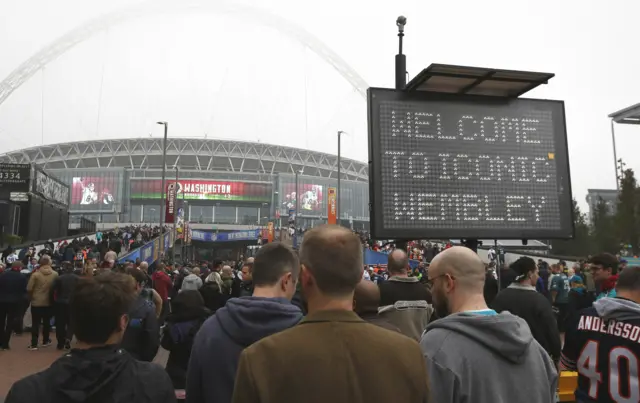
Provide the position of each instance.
(224, 184)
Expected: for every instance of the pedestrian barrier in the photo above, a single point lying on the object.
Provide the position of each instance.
(567, 384)
(39, 245)
(151, 251)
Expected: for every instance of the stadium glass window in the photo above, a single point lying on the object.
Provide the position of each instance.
(109, 218)
(135, 214)
(201, 214)
(248, 215)
(225, 215)
(150, 214)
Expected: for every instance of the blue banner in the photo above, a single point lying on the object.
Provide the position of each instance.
(373, 258)
(203, 236)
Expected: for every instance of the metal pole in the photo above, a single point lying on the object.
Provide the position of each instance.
(163, 191)
(339, 194)
(295, 218)
(184, 229)
(615, 155)
(175, 218)
(401, 59)
(495, 248)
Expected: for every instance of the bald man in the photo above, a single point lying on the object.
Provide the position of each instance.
(401, 287)
(470, 344)
(366, 300)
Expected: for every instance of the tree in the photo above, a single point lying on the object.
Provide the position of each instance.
(582, 243)
(602, 229)
(627, 213)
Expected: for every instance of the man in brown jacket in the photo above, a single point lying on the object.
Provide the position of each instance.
(39, 288)
(332, 355)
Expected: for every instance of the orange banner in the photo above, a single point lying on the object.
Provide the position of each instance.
(331, 205)
(270, 232)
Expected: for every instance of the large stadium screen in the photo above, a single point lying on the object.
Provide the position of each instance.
(454, 166)
(204, 190)
(93, 193)
(311, 198)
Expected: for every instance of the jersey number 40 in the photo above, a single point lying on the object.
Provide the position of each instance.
(618, 357)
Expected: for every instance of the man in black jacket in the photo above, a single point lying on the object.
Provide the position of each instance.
(142, 336)
(97, 370)
(401, 287)
(13, 288)
(61, 292)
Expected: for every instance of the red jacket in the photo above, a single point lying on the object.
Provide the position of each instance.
(162, 284)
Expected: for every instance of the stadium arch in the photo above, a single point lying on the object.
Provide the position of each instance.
(84, 31)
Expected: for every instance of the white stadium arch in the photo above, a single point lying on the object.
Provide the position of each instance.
(77, 35)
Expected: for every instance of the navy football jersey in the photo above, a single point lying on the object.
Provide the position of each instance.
(606, 355)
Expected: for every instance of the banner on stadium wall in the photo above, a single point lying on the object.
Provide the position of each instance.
(270, 232)
(331, 206)
(51, 188)
(203, 236)
(188, 233)
(170, 203)
(204, 190)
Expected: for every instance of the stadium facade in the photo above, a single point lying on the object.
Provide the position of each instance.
(225, 184)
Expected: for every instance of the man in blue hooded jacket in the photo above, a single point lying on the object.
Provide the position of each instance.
(242, 322)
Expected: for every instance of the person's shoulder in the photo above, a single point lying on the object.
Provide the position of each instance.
(396, 341)
(146, 370)
(435, 339)
(209, 331)
(32, 388)
(590, 311)
(540, 300)
(152, 376)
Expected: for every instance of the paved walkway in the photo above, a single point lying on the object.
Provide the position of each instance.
(19, 362)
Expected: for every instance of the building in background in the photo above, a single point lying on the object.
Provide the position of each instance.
(226, 184)
(610, 197)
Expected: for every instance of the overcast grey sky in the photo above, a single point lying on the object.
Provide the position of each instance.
(226, 76)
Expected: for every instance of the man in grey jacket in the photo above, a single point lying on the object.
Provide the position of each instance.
(474, 354)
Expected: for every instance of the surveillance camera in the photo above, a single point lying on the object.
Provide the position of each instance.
(402, 20)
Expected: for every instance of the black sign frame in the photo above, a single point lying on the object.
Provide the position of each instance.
(375, 96)
(11, 184)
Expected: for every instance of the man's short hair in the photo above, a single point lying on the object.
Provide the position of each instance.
(629, 279)
(396, 265)
(138, 275)
(272, 262)
(607, 261)
(45, 260)
(333, 255)
(98, 303)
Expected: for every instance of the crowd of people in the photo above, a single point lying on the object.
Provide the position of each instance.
(317, 325)
(43, 280)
